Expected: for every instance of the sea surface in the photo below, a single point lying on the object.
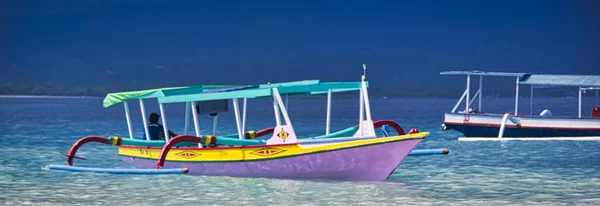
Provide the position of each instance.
(35, 132)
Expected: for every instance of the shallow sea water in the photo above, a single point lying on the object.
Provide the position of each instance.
(36, 131)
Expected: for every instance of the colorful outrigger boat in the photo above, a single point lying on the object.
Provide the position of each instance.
(476, 124)
(356, 153)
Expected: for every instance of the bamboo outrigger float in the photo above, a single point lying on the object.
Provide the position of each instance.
(356, 153)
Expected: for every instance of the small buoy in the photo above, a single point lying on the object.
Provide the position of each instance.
(446, 151)
(185, 170)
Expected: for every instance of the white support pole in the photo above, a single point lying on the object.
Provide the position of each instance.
(459, 101)
(187, 117)
(144, 119)
(215, 120)
(361, 106)
(128, 116)
(164, 122)
(579, 104)
(474, 97)
(361, 109)
(283, 109)
(195, 115)
(276, 110)
(236, 108)
(286, 101)
(468, 93)
(328, 119)
(531, 101)
(366, 99)
(196, 125)
(244, 116)
(480, 91)
(517, 97)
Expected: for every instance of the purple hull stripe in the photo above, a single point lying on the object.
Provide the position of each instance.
(367, 163)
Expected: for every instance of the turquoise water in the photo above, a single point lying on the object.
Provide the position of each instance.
(36, 131)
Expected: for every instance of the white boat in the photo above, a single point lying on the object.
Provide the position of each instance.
(474, 122)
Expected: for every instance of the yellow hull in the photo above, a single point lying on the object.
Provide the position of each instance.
(252, 153)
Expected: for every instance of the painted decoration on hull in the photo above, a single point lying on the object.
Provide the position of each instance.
(188, 154)
(283, 134)
(267, 152)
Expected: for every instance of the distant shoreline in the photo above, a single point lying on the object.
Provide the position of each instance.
(43, 96)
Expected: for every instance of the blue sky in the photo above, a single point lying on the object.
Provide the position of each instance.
(405, 44)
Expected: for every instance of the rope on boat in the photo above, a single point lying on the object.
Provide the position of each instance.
(118, 170)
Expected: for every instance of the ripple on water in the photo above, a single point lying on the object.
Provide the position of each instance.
(474, 173)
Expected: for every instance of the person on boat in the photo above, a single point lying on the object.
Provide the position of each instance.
(156, 130)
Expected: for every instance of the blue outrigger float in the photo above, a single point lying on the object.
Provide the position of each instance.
(478, 125)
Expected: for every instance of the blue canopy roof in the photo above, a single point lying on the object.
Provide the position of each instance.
(562, 80)
(307, 87)
(219, 92)
(484, 73)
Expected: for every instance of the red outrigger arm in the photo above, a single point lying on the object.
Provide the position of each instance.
(391, 123)
(172, 142)
(75, 147)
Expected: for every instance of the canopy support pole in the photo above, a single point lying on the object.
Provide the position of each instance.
(187, 117)
(236, 108)
(196, 126)
(128, 117)
(328, 120)
(143, 109)
(531, 101)
(480, 92)
(579, 103)
(517, 97)
(283, 109)
(244, 116)
(468, 94)
(215, 120)
(164, 122)
(459, 101)
(474, 97)
(276, 109)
